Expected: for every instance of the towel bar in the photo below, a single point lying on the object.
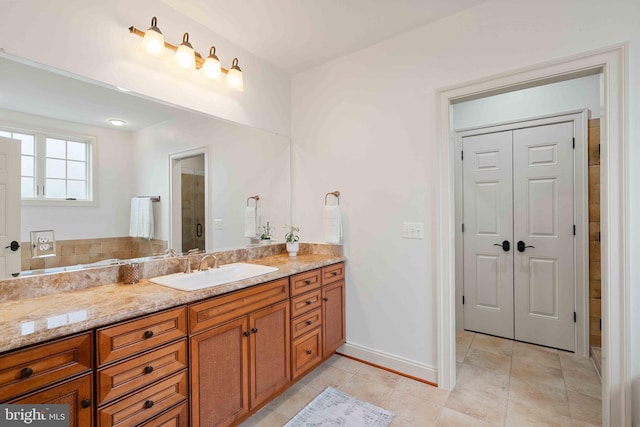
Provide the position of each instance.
(256, 198)
(332, 193)
(153, 198)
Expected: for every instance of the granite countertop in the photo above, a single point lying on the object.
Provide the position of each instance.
(42, 318)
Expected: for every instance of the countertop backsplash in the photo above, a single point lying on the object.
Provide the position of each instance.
(54, 283)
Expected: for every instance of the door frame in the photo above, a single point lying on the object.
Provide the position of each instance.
(175, 195)
(614, 178)
(579, 118)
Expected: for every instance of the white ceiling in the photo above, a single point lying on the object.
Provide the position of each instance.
(298, 34)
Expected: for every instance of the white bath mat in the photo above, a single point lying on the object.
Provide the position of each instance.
(333, 408)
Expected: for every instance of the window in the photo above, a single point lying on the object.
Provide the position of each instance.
(54, 167)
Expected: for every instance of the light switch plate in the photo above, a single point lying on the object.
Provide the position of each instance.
(413, 230)
(217, 224)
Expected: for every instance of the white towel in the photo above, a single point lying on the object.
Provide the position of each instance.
(250, 222)
(141, 219)
(332, 224)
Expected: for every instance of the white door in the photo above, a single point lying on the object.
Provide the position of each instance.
(518, 187)
(543, 212)
(488, 222)
(9, 207)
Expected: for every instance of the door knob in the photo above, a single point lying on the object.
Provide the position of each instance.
(522, 246)
(505, 245)
(14, 246)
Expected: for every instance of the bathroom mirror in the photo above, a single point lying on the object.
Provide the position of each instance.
(135, 160)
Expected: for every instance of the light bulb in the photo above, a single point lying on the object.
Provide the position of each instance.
(185, 55)
(211, 67)
(234, 76)
(153, 41)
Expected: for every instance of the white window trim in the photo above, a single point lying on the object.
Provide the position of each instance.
(66, 135)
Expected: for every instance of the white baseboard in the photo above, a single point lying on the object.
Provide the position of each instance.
(390, 361)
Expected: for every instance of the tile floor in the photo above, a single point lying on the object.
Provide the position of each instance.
(500, 383)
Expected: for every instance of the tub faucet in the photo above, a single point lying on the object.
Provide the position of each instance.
(204, 262)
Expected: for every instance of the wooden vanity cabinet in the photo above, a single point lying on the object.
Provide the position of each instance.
(306, 322)
(241, 358)
(333, 309)
(58, 372)
(76, 393)
(142, 369)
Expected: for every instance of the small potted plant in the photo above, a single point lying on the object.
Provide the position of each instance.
(292, 240)
(265, 236)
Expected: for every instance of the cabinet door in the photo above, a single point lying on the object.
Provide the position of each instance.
(220, 374)
(333, 321)
(270, 357)
(75, 393)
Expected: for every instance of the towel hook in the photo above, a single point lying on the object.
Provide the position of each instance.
(332, 193)
(256, 198)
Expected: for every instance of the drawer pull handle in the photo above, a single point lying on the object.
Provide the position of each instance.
(254, 330)
(85, 403)
(307, 282)
(148, 404)
(148, 369)
(307, 302)
(309, 322)
(308, 351)
(246, 333)
(148, 334)
(26, 373)
(334, 273)
(325, 299)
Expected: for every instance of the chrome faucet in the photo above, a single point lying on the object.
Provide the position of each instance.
(204, 262)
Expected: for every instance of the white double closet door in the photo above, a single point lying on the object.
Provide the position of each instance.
(518, 235)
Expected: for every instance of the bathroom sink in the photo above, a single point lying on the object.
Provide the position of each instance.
(213, 277)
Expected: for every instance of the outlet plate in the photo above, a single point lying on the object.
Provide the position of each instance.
(413, 230)
(217, 224)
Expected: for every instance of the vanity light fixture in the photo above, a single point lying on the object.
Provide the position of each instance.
(188, 58)
(211, 67)
(153, 41)
(117, 122)
(234, 76)
(185, 55)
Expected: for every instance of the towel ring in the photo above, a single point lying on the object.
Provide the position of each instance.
(256, 198)
(333, 193)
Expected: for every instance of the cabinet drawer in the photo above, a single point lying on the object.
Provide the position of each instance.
(26, 370)
(128, 338)
(332, 273)
(221, 309)
(146, 403)
(304, 282)
(306, 352)
(174, 417)
(306, 322)
(124, 377)
(76, 393)
(305, 303)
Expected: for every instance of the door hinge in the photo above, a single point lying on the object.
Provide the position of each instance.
(574, 229)
(463, 227)
(575, 317)
(574, 143)
(462, 299)
(462, 155)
